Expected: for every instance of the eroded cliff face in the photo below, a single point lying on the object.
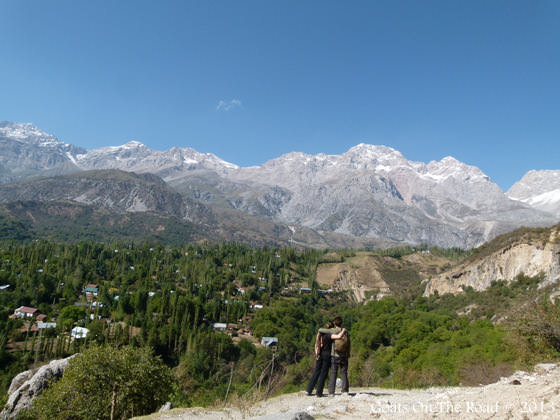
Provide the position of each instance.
(359, 282)
(530, 258)
(369, 276)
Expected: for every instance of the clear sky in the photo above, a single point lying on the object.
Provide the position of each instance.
(251, 80)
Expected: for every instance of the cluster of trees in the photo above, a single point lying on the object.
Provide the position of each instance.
(405, 345)
(470, 338)
(154, 297)
(402, 251)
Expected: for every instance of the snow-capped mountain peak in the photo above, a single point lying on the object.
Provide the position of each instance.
(135, 156)
(25, 151)
(540, 189)
(369, 152)
(449, 167)
(21, 131)
(133, 144)
(29, 133)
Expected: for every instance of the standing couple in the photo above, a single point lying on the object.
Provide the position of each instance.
(332, 348)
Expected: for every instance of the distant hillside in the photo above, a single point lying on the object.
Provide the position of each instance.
(372, 275)
(66, 221)
(147, 200)
(113, 189)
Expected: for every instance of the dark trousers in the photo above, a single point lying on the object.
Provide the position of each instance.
(336, 363)
(320, 373)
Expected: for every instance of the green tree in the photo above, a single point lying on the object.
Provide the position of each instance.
(69, 315)
(107, 383)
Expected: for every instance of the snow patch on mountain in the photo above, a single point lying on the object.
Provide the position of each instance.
(550, 197)
(24, 131)
(137, 157)
(28, 133)
(540, 189)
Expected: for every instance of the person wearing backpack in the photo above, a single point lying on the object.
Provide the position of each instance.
(323, 350)
(339, 356)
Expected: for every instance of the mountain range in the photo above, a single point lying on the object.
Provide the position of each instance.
(367, 196)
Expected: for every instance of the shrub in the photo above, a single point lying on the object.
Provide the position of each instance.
(106, 383)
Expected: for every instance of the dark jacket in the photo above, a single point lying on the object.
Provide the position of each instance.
(331, 331)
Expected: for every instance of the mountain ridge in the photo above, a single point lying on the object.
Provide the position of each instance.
(369, 191)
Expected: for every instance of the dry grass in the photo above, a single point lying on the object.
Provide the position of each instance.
(482, 373)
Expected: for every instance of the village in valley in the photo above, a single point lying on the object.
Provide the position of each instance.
(57, 325)
(37, 323)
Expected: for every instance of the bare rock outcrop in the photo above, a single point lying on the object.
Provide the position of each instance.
(361, 281)
(530, 259)
(28, 385)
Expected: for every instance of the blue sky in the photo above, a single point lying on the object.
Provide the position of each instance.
(251, 80)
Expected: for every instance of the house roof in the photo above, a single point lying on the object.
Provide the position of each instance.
(269, 341)
(79, 329)
(44, 325)
(26, 310)
(79, 332)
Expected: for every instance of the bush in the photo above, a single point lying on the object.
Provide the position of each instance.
(106, 383)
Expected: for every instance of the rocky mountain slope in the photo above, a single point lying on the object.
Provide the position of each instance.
(374, 191)
(369, 191)
(115, 190)
(524, 252)
(27, 151)
(136, 157)
(69, 221)
(539, 189)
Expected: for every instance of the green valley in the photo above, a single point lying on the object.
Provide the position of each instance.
(202, 311)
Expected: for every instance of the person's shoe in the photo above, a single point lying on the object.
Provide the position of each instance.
(309, 394)
(331, 395)
(320, 395)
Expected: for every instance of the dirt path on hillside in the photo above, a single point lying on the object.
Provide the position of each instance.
(537, 396)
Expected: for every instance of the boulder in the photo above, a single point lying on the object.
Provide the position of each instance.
(28, 385)
(166, 407)
(302, 416)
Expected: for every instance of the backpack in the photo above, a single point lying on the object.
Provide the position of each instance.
(342, 346)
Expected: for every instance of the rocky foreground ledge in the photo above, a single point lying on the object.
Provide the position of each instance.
(523, 395)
